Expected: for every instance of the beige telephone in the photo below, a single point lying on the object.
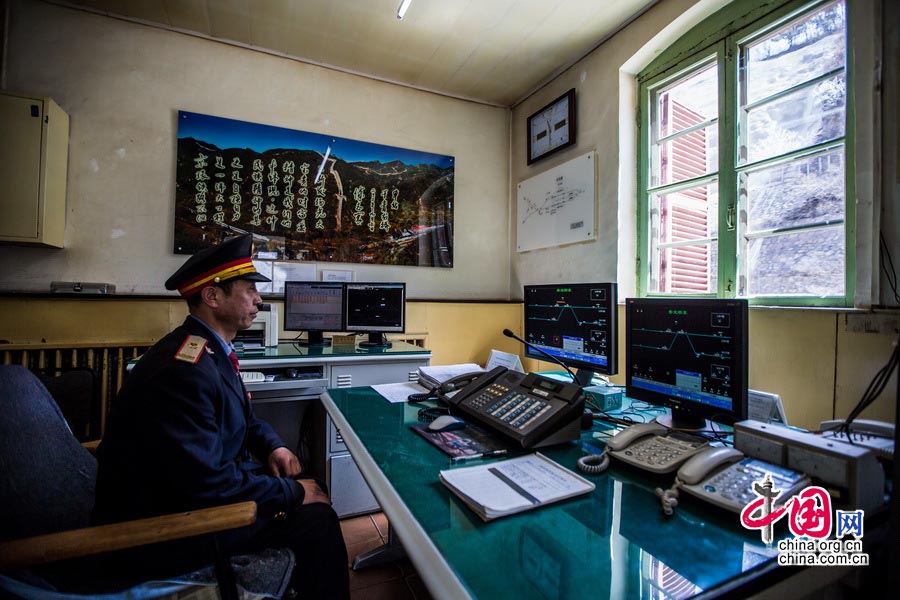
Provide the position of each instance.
(724, 476)
(654, 447)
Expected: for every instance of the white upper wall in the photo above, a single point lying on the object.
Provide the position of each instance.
(122, 85)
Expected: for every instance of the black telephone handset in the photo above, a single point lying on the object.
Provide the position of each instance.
(530, 409)
(441, 391)
(447, 388)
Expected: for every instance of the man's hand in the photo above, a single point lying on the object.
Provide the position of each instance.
(313, 493)
(284, 463)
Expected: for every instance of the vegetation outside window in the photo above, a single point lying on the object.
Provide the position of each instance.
(744, 154)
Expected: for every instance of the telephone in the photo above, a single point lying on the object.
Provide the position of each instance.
(724, 476)
(446, 389)
(875, 435)
(654, 447)
(527, 408)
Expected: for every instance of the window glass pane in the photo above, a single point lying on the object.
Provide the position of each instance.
(692, 100)
(802, 118)
(687, 269)
(800, 193)
(680, 217)
(805, 263)
(680, 107)
(802, 51)
(689, 155)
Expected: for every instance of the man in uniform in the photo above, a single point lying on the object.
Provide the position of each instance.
(182, 436)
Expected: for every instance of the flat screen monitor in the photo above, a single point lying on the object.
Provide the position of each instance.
(314, 307)
(689, 355)
(375, 309)
(574, 323)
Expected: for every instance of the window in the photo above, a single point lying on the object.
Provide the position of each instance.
(744, 153)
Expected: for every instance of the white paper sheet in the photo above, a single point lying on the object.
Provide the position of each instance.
(398, 392)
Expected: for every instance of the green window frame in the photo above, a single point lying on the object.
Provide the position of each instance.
(719, 41)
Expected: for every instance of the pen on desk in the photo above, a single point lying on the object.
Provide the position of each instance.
(466, 457)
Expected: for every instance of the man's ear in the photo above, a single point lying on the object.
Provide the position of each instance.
(210, 296)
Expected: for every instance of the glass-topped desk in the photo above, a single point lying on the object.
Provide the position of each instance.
(613, 543)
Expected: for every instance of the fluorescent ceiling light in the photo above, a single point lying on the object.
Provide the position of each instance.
(404, 4)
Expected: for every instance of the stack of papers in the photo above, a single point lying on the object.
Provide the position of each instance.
(432, 377)
(497, 489)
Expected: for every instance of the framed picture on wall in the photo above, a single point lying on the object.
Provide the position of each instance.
(552, 128)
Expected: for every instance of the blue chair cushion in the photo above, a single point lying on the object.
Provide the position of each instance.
(48, 477)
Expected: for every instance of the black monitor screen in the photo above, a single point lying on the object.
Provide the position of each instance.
(689, 355)
(375, 308)
(575, 323)
(314, 307)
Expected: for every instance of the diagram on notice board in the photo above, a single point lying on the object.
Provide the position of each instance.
(557, 206)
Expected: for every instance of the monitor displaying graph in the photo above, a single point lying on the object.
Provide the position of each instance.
(575, 323)
(689, 355)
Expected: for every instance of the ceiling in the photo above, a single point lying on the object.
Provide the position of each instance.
(496, 52)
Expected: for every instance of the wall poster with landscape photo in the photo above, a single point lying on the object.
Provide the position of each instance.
(308, 196)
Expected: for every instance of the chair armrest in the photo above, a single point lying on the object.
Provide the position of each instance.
(91, 446)
(75, 543)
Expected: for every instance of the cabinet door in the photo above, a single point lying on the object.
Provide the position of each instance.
(355, 375)
(350, 495)
(20, 163)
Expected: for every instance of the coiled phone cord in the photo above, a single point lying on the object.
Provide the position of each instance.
(668, 499)
(594, 463)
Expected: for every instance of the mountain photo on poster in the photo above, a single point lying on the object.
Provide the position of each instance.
(312, 197)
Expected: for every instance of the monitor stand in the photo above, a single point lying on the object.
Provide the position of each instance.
(314, 339)
(584, 377)
(684, 421)
(376, 340)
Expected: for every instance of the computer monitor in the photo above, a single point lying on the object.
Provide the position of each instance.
(575, 323)
(314, 307)
(376, 309)
(689, 355)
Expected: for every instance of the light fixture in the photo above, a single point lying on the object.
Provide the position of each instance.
(404, 4)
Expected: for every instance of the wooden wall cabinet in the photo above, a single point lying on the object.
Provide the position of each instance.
(33, 161)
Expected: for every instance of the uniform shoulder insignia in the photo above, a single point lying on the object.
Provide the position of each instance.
(191, 349)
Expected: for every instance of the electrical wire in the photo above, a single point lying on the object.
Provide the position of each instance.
(887, 265)
(874, 389)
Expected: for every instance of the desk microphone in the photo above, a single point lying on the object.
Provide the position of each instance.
(510, 334)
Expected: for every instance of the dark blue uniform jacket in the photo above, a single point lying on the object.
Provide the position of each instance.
(180, 437)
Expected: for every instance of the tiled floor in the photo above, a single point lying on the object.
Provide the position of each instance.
(390, 581)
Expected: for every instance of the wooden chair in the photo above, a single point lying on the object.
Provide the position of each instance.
(47, 493)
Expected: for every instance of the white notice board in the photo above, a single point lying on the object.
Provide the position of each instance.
(557, 207)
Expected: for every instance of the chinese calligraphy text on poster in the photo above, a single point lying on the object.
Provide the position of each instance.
(308, 196)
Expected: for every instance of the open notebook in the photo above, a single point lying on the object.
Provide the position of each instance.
(499, 488)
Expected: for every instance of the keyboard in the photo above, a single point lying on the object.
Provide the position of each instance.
(252, 376)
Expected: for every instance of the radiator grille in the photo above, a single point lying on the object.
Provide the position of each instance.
(108, 364)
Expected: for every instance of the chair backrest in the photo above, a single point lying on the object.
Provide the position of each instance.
(77, 394)
(46, 477)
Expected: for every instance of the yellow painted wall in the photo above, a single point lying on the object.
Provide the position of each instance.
(809, 357)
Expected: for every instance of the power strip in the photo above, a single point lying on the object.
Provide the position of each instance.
(882, 447)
